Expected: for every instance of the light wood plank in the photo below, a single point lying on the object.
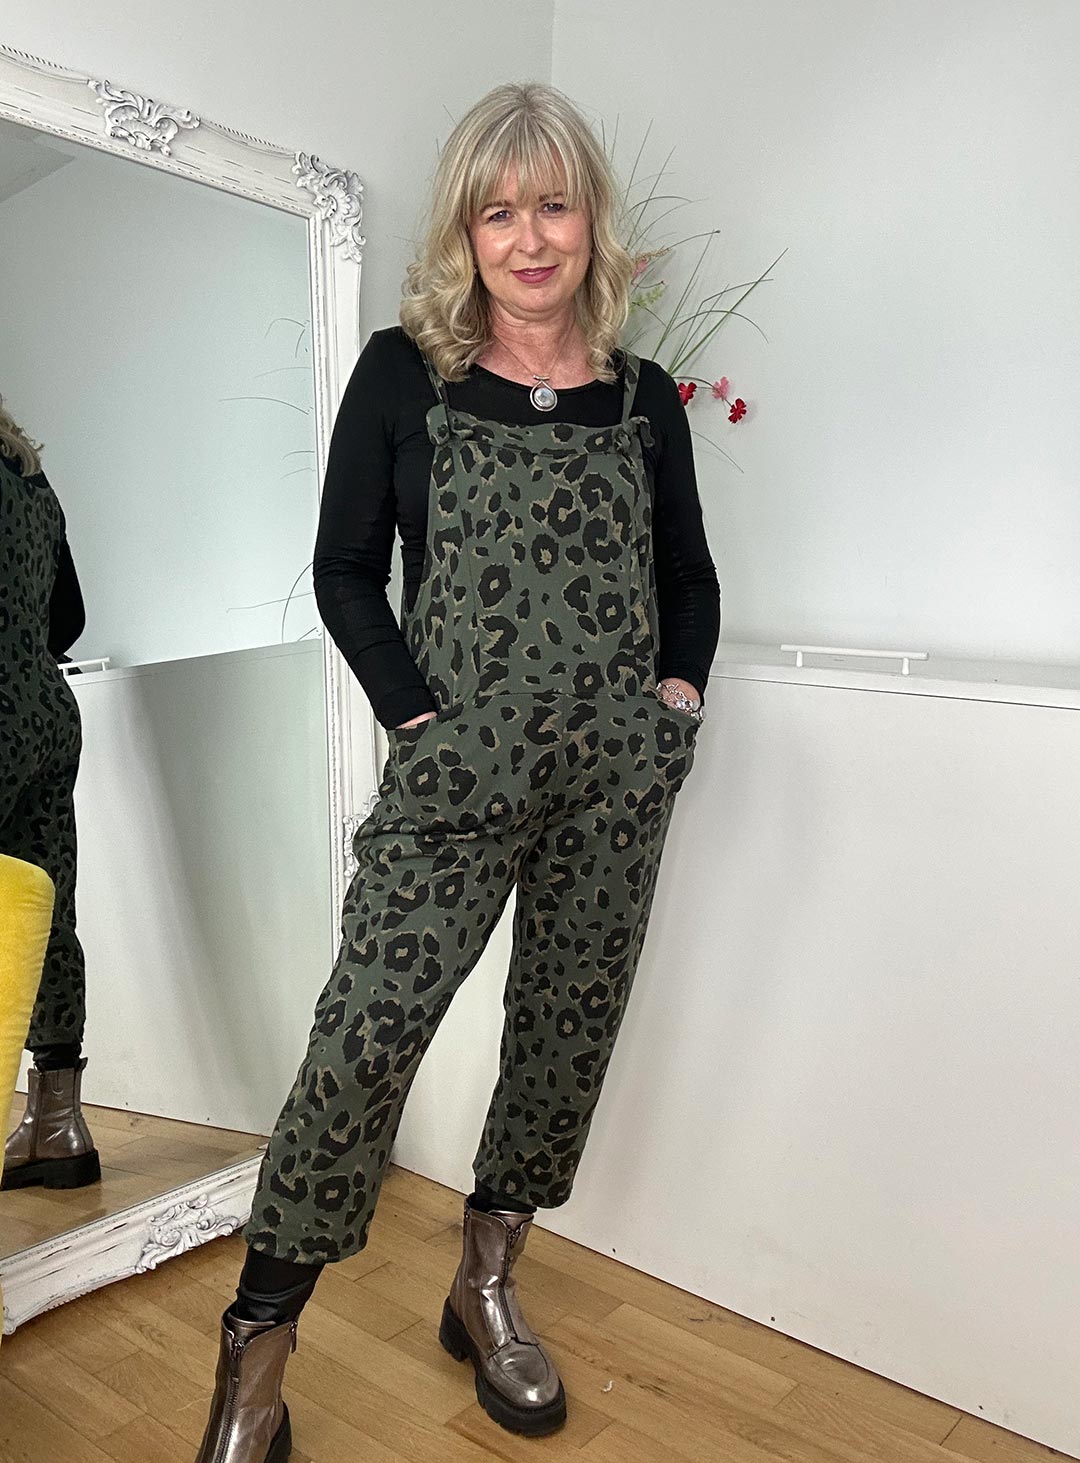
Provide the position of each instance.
(974, 1437)
(84, 1400)
(147, 1440)
(30, 1432)
(151, 1386)
(75, 1330)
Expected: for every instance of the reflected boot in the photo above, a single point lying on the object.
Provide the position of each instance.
(249, 1421)
(52, 1145)
(516, 1381)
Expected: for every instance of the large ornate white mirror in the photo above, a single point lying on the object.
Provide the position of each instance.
(177, 335)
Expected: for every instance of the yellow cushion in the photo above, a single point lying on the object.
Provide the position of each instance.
(26, 908)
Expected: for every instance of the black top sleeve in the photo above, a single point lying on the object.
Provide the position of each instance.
(687, 588)
(67, 614)
(355, 540)
(377, 479)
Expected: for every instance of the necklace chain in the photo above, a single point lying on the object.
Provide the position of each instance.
(543, 395)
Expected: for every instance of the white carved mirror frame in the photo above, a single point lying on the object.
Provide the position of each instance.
(101, 114)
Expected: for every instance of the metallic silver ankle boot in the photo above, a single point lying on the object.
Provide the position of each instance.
(516, 1381)
(249, 1421)
(52, 1145)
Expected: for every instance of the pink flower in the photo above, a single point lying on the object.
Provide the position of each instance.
(641, 264)
(720, 388)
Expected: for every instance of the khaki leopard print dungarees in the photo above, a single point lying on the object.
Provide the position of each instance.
(40, 742)
(552, 768)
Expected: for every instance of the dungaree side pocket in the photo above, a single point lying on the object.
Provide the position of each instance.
(676, 732)
(675, 711)
(410, 733)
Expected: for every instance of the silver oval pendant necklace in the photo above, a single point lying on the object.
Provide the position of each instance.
(543, 396)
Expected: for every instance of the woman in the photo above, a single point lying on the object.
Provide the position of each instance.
(41, 617)
(541, 697)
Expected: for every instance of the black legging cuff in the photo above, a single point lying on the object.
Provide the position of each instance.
(271, 1289)
(484, 1198)
(56, 1054)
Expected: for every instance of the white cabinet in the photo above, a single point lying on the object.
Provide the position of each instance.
(204, 880)
(844, 1101)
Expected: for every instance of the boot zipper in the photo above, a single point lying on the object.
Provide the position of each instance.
(230, 1399)
(234, 1388)
(511, 1328)
(35, 1126)
(504, 1270)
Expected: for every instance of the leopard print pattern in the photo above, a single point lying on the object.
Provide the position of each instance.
(41, 735)
(550, 769)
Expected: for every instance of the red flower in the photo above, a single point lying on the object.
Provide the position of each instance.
(738, 410)
(686, 391)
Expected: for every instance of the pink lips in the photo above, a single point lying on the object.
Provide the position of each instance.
(534, 276)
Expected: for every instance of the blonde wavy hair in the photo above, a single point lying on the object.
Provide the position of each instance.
(537, 131)
(15, 444)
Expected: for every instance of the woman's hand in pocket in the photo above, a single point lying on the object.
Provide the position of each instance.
(417, 720)
(690, 692)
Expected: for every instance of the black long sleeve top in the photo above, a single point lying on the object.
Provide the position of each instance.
(377, 478)
(67, 615)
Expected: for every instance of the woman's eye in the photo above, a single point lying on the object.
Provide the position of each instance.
(501, 213)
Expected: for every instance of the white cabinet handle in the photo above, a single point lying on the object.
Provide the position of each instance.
(904, 656)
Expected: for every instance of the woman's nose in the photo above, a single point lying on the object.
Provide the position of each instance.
(530, 236)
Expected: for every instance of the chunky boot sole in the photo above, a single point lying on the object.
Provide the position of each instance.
(529, 1420)
(281, 1447)
(55, 1173)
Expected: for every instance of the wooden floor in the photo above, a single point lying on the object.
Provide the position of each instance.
(651, 1373)
(141, 1157)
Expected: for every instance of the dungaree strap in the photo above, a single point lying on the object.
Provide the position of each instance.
(630, 380)
(436, 379)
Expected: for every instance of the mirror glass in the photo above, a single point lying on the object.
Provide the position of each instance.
(157, 342)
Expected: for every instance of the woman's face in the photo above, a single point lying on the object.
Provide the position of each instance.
(531, 253)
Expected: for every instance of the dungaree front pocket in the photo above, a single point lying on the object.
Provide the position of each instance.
(484, 765)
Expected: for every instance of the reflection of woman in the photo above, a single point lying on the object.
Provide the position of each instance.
(41, 617)
(555, 566)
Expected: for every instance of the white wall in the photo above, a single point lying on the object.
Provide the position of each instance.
(910, 476)
(145, 314)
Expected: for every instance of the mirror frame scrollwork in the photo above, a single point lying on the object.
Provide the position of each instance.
(102, 114)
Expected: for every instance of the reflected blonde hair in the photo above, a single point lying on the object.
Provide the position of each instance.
(535, 130)
(17, 445)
